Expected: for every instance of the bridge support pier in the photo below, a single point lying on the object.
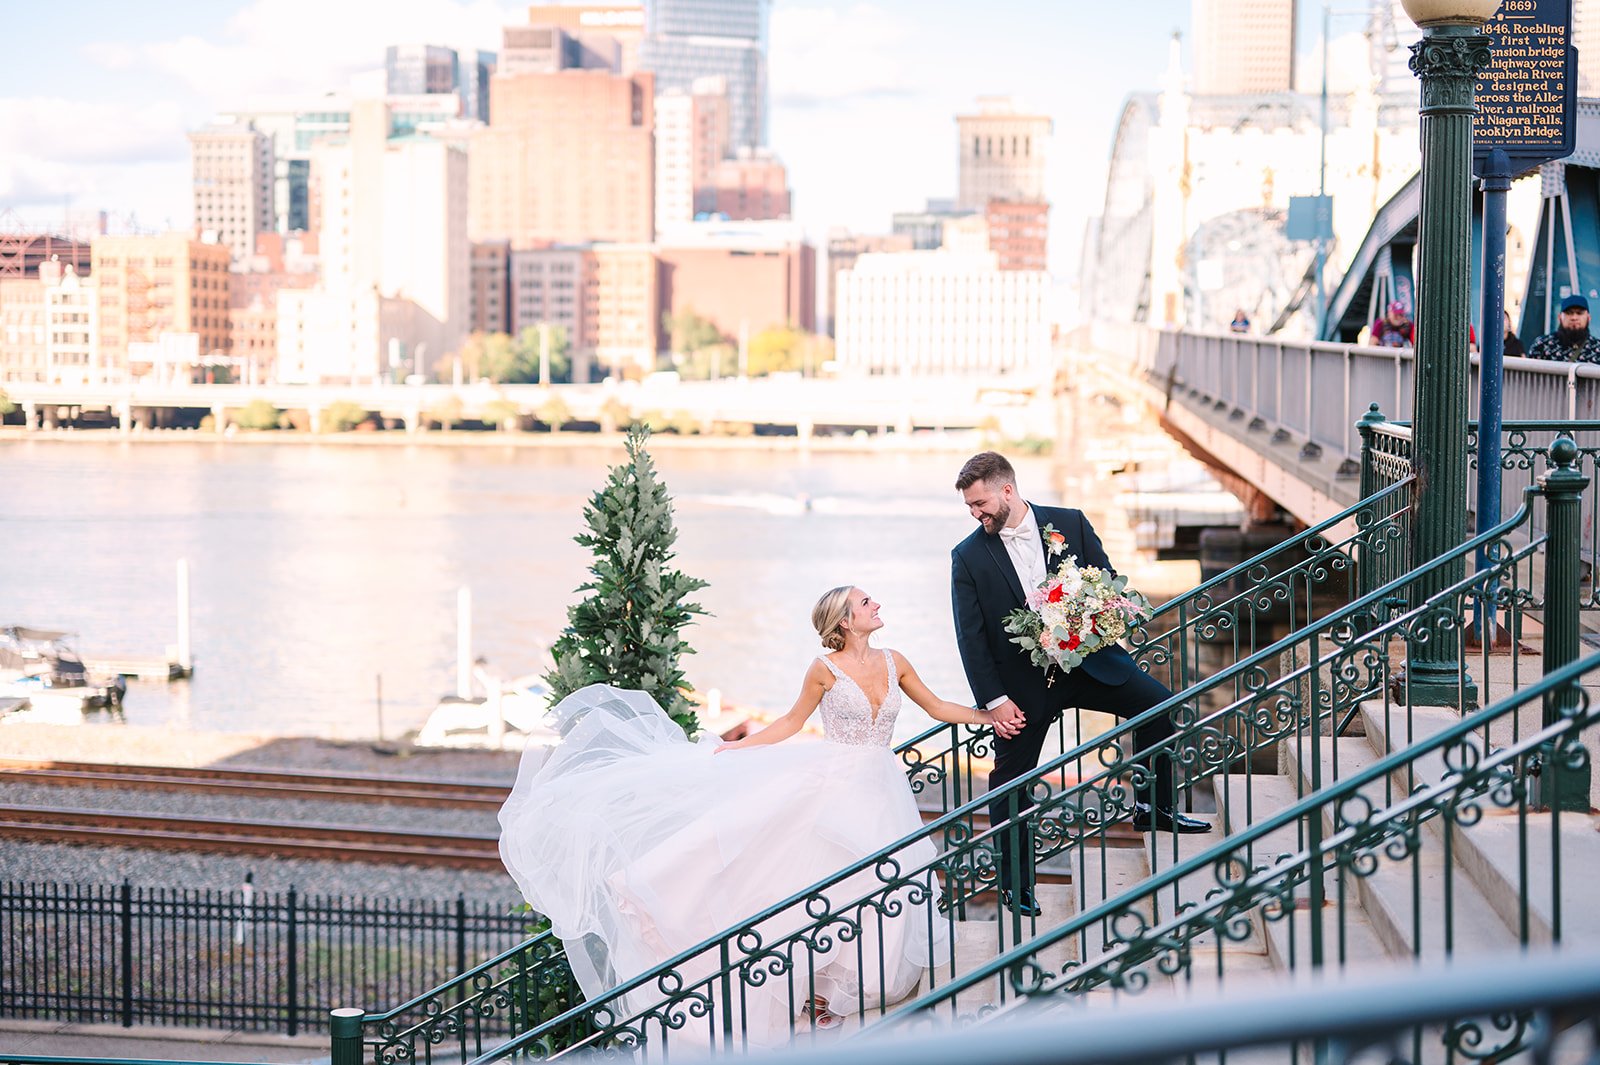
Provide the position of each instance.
(29, 413)
(219, 418)
(124, 412)
(314, 413)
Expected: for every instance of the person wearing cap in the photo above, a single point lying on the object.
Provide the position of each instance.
(1572, 341)
(1393, 329)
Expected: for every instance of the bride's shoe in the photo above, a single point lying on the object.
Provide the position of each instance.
(824, 1018)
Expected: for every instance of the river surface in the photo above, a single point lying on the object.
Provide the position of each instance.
(317, 569)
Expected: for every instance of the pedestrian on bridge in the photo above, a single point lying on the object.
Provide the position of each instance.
(1393, 329)
(1571, 341)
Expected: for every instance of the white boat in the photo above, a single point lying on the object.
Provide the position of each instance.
(510, 717)
(38, 665)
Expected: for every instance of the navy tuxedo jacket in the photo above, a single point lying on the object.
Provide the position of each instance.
(984, 588)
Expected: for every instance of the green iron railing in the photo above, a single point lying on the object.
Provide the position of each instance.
(1397, 817)
(1360, 836)
(1072, 814)
(1226, 617)
(704, 1009)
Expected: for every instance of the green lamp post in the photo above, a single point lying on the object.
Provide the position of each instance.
(1448, 59)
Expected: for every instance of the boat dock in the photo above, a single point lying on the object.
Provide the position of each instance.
(148, 667)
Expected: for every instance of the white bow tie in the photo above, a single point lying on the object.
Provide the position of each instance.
(1016, 533)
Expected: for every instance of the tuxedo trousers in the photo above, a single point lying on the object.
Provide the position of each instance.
(1018, 756)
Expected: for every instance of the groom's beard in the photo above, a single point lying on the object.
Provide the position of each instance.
(1572, 338)
(999, 519)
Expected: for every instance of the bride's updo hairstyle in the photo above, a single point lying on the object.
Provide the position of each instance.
(829, 614)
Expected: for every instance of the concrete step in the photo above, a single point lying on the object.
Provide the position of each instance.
(1406, 898)
(1508, 848)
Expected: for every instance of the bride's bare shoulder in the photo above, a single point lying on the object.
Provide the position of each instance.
(819, 673)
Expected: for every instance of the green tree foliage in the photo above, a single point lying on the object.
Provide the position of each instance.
(257, 414)
(341, 416)
(554, 412)
(448, 412)
(786, 349)
(6, 406)
(509, 360)
(625, 632)
(502, 414)
(688, 332)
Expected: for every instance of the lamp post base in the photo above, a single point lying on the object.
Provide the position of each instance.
(1430, 684)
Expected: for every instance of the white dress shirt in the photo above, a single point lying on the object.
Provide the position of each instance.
(1025, 547)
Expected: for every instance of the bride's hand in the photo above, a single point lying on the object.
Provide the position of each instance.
(725, 747)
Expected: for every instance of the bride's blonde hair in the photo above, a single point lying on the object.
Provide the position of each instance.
(829, 614)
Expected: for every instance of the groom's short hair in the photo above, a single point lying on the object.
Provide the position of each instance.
(990, 467)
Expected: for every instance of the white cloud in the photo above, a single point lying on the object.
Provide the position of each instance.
(77, 132)
(299, 47)
(830, 55)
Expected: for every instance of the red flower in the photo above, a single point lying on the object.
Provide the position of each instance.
(1055, 594)
(1072, 644)
(1063, 643)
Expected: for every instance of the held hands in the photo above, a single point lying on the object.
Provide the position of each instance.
(1007, 719)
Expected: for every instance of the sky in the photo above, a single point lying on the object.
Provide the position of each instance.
(96, 96)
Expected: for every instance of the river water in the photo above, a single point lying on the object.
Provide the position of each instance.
(316, 569)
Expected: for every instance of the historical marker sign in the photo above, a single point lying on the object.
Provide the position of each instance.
(1527, 98)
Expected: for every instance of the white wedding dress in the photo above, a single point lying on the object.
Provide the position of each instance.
(639, 845)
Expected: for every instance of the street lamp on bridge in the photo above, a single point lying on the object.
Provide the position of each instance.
(1448, 59)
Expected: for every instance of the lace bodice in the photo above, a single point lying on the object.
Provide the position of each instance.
(847, 713)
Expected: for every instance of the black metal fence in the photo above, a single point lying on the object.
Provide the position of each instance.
(238, 959)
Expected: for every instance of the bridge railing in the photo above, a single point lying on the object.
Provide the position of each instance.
(1316, 392)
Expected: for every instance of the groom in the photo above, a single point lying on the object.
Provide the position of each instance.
(989, 571)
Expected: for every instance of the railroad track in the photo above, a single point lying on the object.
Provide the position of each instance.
(285, 840)
(259, 783)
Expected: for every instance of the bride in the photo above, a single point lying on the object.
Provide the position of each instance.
(639, 845)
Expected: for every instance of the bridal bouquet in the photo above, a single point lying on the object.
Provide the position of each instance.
(1074, 613)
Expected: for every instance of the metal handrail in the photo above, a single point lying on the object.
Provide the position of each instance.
(1473, 774)
(1343, 1017)
(1115, 805)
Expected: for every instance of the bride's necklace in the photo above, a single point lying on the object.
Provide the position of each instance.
(861, 659)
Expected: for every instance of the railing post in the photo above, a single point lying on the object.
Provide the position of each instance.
(1563, 787)
(291, 965)
(461, 934)
(344, 1024)
(1366, 579)
(127, 952)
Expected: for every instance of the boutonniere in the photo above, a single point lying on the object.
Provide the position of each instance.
(1055, 543)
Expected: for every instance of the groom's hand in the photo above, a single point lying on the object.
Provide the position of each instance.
(1007, 719)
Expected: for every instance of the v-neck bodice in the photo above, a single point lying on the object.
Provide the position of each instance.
(847, 712)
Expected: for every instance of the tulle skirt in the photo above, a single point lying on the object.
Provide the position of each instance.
(639, 845)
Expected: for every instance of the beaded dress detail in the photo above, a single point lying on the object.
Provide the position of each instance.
(847, 715)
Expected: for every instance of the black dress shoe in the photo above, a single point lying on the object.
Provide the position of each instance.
(1166, 819)
(1021, 902)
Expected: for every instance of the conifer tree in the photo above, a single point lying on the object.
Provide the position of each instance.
(625, 632)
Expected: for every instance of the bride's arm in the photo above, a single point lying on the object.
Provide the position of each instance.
(936, 708)
(811, 690)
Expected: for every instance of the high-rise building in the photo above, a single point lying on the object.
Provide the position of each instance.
(549, 286)
(1243, 47)
(491, 283)
(150, 286)
(280, 262)
(936, 313)
(567, 159)
(476, 68)
(233, 190)
(691, 141)
(396, 276)
(740, 276)
(621, 308)
(49, 327)
(415, 69)
(1390, 35)
(752, 186)
(590, 24)
(689, 39)
(844, 249)
(1002, 151)
(1019, 234)
(925, 228)
(547, 49)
